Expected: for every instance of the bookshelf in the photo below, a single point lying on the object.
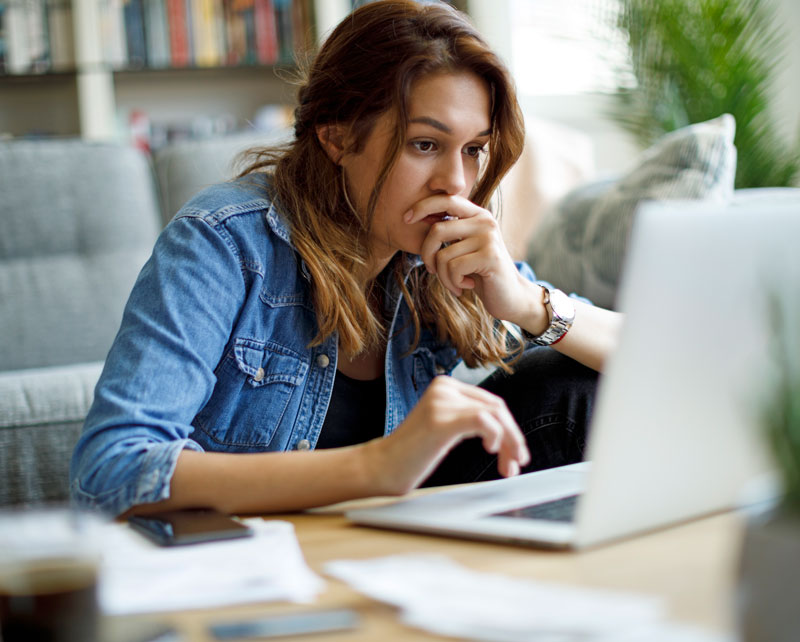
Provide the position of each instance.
(70, 68)
(76, 67)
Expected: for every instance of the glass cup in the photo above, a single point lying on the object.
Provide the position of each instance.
(49, 561)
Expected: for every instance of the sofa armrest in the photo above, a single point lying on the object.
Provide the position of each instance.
(41, 416)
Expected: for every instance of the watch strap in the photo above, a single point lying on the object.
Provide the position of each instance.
(559, 326)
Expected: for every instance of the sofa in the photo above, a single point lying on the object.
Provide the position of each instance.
(80, 219)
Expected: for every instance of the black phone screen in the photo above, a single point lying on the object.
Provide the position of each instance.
(190, 526)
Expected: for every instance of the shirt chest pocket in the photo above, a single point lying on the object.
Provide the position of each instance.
(267, 363)
(257, 396)
(430, 363)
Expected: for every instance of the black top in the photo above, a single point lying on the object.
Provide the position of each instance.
(356, 412)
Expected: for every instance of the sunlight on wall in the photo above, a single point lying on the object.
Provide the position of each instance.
(567, 47)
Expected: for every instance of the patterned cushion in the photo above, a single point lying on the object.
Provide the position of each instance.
(580, 245)
(79, 220)
(41, 415)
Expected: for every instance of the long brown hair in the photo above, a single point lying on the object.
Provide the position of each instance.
(365, 68)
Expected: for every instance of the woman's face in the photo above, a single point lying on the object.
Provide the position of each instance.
(449, 128)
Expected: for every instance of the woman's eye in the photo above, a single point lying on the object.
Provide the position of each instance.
(424, 145)
(475, 150)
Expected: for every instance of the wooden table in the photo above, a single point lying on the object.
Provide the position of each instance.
(692, 566)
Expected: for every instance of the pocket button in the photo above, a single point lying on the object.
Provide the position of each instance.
(259, 374)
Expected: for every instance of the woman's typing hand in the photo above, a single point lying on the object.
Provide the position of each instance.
(448, 412)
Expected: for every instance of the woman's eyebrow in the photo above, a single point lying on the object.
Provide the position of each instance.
(427, 120)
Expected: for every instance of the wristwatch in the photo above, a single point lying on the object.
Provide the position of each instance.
(561, 312)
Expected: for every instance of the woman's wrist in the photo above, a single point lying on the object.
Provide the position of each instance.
(373, 469)
(534, 317)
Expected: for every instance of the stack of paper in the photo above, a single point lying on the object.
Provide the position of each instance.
(438, 595)
(138, 576)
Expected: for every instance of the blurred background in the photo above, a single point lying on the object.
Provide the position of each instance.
(154, 71)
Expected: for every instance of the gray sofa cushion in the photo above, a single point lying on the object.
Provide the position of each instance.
(184, 168)
(79, 220)
(42, 416)
(580, 246)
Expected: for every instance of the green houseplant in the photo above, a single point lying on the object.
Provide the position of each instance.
(770, 560)
(782, 413)
(694, 60)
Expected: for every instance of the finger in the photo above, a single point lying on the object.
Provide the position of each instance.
(509, 469)
(452, 205)
(474, 419)
(479, 413)
(514, 440)
(498, 440)
(448, 233)
(447, 260)
(442, 233)
(461, 269)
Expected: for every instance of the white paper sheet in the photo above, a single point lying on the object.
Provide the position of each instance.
(138, 576)
(438, 595)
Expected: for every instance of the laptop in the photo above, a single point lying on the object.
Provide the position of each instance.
(675, 433)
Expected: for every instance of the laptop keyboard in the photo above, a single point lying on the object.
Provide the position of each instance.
(558, 510)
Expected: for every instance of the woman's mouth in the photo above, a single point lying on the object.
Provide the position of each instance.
(438, 218)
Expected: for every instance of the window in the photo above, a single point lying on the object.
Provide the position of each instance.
(566, 47)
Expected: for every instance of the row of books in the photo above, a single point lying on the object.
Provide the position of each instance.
(38, 35)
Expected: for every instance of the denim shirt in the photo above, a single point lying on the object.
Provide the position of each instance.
(213, 352)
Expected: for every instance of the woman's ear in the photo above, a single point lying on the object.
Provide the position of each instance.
(332, 139)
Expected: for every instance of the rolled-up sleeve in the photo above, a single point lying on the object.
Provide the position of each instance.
(160, 370)
(526, 271)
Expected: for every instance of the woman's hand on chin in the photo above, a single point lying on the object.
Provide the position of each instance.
(448, 412)
(465, 249)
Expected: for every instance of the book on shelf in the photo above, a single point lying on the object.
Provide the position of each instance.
(15, 47)
(26, 38)
(240, 20)
(303, 36)
(38, 38)
(178, 33)
(133, 15)
(205, 42)
(266, 32)
(62, 38)
(2, 39)
(285, 27)
(114, 40)
(156, 33)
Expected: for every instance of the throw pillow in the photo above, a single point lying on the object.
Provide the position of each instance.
(580, 245)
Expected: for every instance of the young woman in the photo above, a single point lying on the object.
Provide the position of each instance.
(281, 347)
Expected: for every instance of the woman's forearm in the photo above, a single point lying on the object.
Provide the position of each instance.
(590, 340)
(266, 482)
(593, 335)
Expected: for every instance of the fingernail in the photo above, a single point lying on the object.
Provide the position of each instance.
(407, 216)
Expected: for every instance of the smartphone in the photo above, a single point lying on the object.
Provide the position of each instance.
(288, 625)
(189, 526)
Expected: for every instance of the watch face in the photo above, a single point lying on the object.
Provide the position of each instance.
(563, 308)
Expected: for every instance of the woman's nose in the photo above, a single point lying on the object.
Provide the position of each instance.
(449, 176)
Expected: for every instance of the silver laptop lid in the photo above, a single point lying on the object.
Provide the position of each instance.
(676, 427)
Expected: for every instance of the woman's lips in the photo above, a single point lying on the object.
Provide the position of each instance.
(438, 217)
